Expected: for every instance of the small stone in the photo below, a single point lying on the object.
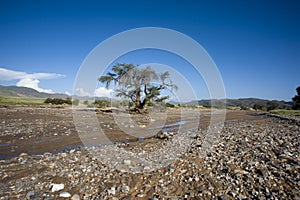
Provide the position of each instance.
(112, 191)
(72, 151)
(125, 188)
(75, 197)
(56, 187)
(23, 154)
(127, 162)
(65, 194)
(29, 194)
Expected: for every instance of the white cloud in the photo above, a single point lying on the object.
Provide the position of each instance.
(28, 80)
(103, 92)
(32, 83)
(81, 92)
(99, 92)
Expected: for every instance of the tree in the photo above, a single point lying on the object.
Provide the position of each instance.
(140, 85)
(58, 101)
(272, 105)
(296, 99)
(101, 103)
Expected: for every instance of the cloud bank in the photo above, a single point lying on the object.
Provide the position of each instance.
(99, 92)
(28, 80)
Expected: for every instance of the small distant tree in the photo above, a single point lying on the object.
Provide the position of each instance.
(101, 103)
(259, 107)
(169, 105)
(296, 100)
(68, 100)
(136, 84)
(272, 105)
(58, 101)
(75, 102)
(206, 106)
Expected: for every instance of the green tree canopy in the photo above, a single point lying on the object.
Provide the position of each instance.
(139, 85)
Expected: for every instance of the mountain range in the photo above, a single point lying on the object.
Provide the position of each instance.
(14, 91)
(241, 102)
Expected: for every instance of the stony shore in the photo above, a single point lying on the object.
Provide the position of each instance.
(252, 159)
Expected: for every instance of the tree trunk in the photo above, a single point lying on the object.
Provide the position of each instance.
(138, 98)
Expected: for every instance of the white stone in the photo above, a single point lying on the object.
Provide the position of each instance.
(112, 191)
(65, 194)
(125, 188)
(56, 187)
(75, 197)
(29, 194)
(72, 151)
(127, 162)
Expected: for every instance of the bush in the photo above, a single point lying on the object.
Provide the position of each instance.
(206, 106)
(169, 105)
(75, 102)
(58, 101)
(259, 107)
(86, 102)
(102, 103)
(271, 105)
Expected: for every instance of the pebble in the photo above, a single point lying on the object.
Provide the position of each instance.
(125, 188)
(111, 191)
(65, 194)
(248, 160)
(30, 194)
(57, 187)
(127, 162)
(75, 197)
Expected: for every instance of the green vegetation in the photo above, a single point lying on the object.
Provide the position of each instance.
(285, 112)
(169, 105)
(58, 101)
(296, 99)
(75, 102)
(136, 84)
(102, 103)
(207, 106)
(21, 101)
(259, 107)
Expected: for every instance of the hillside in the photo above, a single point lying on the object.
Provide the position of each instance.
(14, 91)
(243, 102)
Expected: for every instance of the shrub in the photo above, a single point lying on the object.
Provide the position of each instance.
(206, 106)
(58, 101)
(101, 103)
(75, 102)
(169, 105)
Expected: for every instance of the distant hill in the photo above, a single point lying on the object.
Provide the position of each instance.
(14, 91)
(243, 102)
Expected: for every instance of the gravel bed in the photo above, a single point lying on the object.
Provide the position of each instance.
(257, 159)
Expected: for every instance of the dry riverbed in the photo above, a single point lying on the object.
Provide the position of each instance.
(254, 156)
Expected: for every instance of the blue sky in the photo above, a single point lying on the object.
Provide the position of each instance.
(255, 44)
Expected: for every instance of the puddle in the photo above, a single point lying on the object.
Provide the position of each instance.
(5, 157)
(5, 144)
(168, 125)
